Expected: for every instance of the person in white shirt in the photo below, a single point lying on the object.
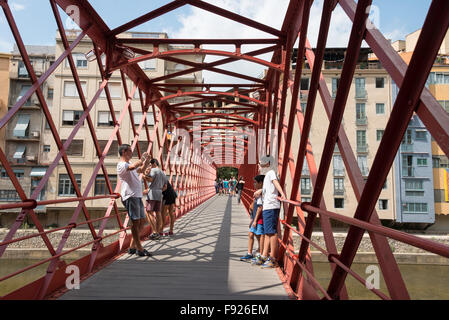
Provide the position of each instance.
(271, 207)
(131, 194)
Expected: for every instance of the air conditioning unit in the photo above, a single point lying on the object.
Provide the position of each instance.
(35, 134)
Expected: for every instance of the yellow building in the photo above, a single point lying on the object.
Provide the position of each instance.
(4, 91)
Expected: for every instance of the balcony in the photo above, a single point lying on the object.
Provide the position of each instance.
(363, 121)
(408, 171)
(362, 148)
(339, 192)
(406, 147)
(361, 94)
(306, 191)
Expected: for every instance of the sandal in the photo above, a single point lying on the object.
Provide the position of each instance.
(144, 253)
(132, 251)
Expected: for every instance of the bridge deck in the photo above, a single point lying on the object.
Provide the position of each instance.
(200, 262)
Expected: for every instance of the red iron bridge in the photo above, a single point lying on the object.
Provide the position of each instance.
(202, 260)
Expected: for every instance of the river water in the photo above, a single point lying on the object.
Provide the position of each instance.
(423, 281)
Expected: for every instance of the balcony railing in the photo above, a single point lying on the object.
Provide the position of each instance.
(362, 148)
(406, 147)
(339, 192)
(306, 191)
(408, 171)
(361, 94)
(361, 121)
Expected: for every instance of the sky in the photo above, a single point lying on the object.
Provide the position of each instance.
(395, 19)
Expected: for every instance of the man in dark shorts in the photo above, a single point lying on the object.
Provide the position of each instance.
(158, 184)
(131, 194)
(169, 198)
(239, 188)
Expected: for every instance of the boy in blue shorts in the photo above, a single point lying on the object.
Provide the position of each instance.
(256, 225)
(271, 208)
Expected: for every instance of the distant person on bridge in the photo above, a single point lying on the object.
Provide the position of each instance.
(131, 194)
(226, 186)
(158, 184)
(233, 183)
(169, 198)
(239, 188)
(256, 224)
(271, 208)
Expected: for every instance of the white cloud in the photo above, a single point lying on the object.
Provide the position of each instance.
(199, 23)
(17, 6)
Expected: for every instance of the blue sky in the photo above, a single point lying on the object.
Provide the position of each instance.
(34, 17)
(395, 18)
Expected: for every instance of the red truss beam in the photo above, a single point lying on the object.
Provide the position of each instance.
(198, 42)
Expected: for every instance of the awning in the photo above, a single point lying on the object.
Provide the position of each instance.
(19, 151)
(22, 125)
(38, 172)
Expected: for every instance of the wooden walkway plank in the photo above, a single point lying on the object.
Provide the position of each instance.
(201, 262)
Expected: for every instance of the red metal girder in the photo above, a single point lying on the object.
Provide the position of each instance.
(422, 61)
(295, 94)
(170, 53)
(203, 85)
(233, 16)
(147, 17)
(198, 42)
(214, 115)
(340, 102)
(200, 93)
(210, 66)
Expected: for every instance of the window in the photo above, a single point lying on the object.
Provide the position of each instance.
(422, 162)
(407, 137)
(113, 150)
(380, 108)
(363, 165)
(138, 118)
(335, 83)
(361, 141)
(46, 148)
(65, 186)
(79, 59)
(303, 107)
(305, 168)
(339, 203)
(360, 112)
(70, 89)
(339, 170)
(438, 78)
(75, 148)
(412, 207)
(50, 93)
(21, 130)
(20, 153)
(24, 89)
(23, 73)
(100, 184)
(71, 117)
(305, 84)
(421, 135)
(19, 173)
(9, 195)
(407, 166)
(143, 145)
(360, 91)
(379, 134)
(380, 83)
(383, 204)
(305, 186)
(445, 104)
(339, 187)
(105, 119)
(115, 89)
(436, 162)
(414, 185)
(306, 199)
(385, 186)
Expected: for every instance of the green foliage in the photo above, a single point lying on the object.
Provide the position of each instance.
(227, 173)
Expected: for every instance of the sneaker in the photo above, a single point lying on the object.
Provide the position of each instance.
(258, 261)
(144, 253)
(269, 263)
(155, 236)
(132, 251)
(247, 257)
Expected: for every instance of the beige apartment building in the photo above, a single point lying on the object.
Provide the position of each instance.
(23, 134)
(67, 110)
(4, 91)
(365, 117)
